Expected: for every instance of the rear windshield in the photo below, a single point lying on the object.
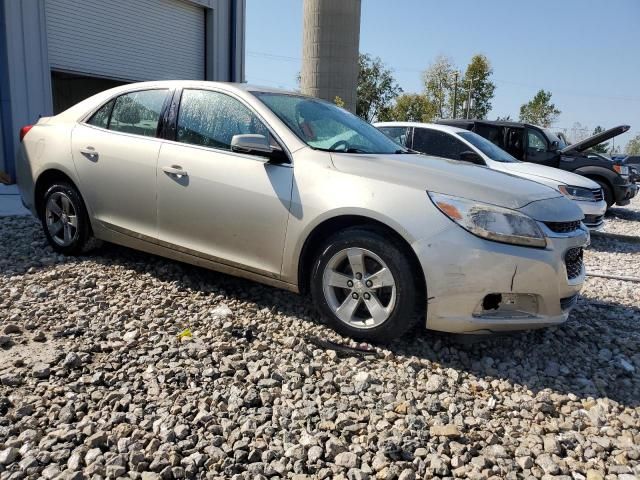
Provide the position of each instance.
(485, 146)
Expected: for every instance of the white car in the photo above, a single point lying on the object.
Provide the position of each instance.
(460, 144)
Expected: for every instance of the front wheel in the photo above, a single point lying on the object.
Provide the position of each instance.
(607, 192)
(365, 286)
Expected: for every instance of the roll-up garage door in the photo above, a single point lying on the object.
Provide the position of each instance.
(129, 40)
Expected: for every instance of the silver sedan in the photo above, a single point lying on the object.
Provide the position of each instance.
(297, 193)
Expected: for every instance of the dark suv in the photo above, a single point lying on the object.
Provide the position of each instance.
(531, 143)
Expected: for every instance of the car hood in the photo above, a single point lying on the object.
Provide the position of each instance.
(460, 179)
(547, 175)
(595, 139)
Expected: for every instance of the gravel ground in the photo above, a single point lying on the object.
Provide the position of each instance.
(624, 220)
(95, 383)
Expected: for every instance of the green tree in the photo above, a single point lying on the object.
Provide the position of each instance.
(477, 81)
(410, 107)
(601, 147)
(633, 147)
(539, 110)
(439, 81)
(506, 118)
(376, 88)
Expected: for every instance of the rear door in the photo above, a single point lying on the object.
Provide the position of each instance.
(217, 204)
(115, 154)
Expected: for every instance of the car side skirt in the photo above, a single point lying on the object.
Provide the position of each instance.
(126, 238)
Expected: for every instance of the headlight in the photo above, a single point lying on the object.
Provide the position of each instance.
(577, 193)
(623, 170)
(490, 221)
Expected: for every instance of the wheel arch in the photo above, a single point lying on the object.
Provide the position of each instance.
(334, 224)
(47, 178)
(599, 173)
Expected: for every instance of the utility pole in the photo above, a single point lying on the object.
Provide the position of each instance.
(455, 95)
(469, 97)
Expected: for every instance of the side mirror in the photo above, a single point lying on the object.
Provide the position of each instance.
(471, 157)
(554, 145)
(258, 145)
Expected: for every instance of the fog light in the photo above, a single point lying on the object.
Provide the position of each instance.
(508, 305)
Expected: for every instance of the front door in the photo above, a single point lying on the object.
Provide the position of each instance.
(221, 205)
(115, 154)
(538, 149)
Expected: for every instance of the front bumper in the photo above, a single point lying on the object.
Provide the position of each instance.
(462, 271)
(624, 193)
(593, 213)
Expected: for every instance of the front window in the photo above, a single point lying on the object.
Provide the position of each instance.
(536, 140)
(325, 126)
(211, 119)
(437, 143)
(488, 148)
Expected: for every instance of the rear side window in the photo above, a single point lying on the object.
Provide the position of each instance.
(397, 134)
(101, 117)
(211, 119)
(439, 144)
(138, 112)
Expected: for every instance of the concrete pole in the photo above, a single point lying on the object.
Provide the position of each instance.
(330, 47)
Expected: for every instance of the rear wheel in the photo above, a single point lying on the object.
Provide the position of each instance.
(65, 221)
(364, 285)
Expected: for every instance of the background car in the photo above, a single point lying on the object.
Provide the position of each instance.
(300, 194)
(459, 144)
(531, 143)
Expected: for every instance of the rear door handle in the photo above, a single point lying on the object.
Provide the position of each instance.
(90, 153)
(175, 170)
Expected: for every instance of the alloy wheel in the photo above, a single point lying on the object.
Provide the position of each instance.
(62, 219)
(359, 288)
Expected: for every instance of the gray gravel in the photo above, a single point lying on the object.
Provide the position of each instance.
(624, 220)
(94, 382)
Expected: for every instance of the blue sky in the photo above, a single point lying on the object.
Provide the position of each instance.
(586, 52)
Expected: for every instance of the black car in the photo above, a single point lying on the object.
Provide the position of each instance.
(531, 143)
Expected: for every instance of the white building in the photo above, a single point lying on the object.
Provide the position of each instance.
(54, 53)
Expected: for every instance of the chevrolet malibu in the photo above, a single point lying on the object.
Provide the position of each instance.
(299, 194)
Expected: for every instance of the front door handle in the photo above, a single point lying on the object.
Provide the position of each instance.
(175, 170)
(90, 153)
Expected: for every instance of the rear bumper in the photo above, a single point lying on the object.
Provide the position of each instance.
(463, 270)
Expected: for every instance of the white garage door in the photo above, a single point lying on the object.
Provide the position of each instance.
(127, 39)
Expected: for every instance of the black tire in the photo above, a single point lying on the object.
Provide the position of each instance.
(82, 238)
(409, 300)
(608, 193)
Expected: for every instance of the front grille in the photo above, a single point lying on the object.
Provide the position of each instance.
(563, 227)
(593, 220)
(598, 194)
(573, 261)
(568, 302)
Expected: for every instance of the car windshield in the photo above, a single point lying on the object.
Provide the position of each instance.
(488, 148)
(325, 126)
(552, 137)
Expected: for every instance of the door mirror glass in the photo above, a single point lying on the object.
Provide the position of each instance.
(471, 157)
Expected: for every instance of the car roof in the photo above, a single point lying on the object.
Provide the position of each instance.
(204, 84)
(432, 126)
(464, 123)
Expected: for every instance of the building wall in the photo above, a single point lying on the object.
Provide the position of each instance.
(25, 73)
